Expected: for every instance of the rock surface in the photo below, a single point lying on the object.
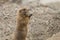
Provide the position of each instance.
(55, 37)
(44, 23)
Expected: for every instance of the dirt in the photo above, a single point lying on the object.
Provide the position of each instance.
(44, 23)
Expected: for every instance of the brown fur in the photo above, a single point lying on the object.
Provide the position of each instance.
(22, 20)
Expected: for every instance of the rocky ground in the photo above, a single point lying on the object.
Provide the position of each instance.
(44, 24)
(55, 37)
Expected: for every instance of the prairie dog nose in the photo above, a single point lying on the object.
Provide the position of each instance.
(30, 15)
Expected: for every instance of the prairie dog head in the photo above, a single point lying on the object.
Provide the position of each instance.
(24, 12)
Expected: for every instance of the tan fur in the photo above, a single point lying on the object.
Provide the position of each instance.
(22, 21)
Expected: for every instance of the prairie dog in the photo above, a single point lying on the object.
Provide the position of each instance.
(22, 21)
